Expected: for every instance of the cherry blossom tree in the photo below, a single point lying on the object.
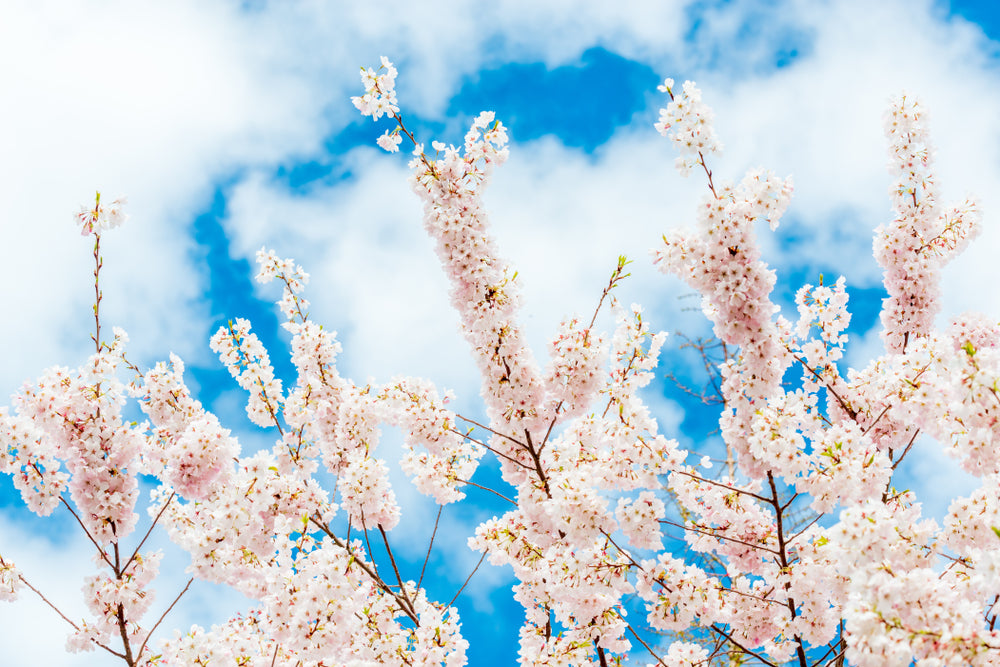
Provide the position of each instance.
(593, 487)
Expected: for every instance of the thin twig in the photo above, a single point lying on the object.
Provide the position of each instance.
(721, 537)
(538, 464)
(163, 616)
(486, 488)
(620, 550)
(372, 573)
(735, 643)
(467, 579)
(46, 601)
(906, 451)
(708, 172)
(552, 423)
(640, 640)
(63, 616)
(146, 536)
(495, 451)
(843, 404)
(371, 553)
(399, 578)
(699, 478)
(429, 545)
(835, 658)
(783, 562)
(807, 527)
(122, 621)
(104, 555)
(487, 428)
(616, 275)
(872, 425)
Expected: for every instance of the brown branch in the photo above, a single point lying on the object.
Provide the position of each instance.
(622, 551)
(640, 640)
(372, 573)
(699, 478)
(399, 578)
(371, 552)
(298, 303)
(783, 561)
(495, 451)
(486, 488)
(552, 424)
(487, 428)
(907, 449)
(63, 616)
(146, 536)
(735, 643)
(46, 601)
(834, 659)
(538, 465)
(872, 425)
(807, 527)
(468, 579)
(832, 647)
(616, 275)
(98, 263)
(163, 616)
(720, 537)
(852, 413)
(429, 546)
(120, 612)
(708, 172)
(104, 555)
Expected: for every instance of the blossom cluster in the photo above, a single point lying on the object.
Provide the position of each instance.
(380, 91)
(896, 605)
(484, 289)
(106, 596)
(687, 122)
(247, 360)
(721, 259)
(101, 217)
(802, 550)
(10, 581)
(922, 238)
(74, 417)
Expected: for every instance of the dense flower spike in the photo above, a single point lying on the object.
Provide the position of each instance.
(606, 516)
(189, 449)
(913, 248)
(77, 419)
(247, 360)
(723, 262)
(483, 287)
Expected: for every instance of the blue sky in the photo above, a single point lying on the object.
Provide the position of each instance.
(229, 126)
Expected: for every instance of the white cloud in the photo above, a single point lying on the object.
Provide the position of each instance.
(149, 99)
